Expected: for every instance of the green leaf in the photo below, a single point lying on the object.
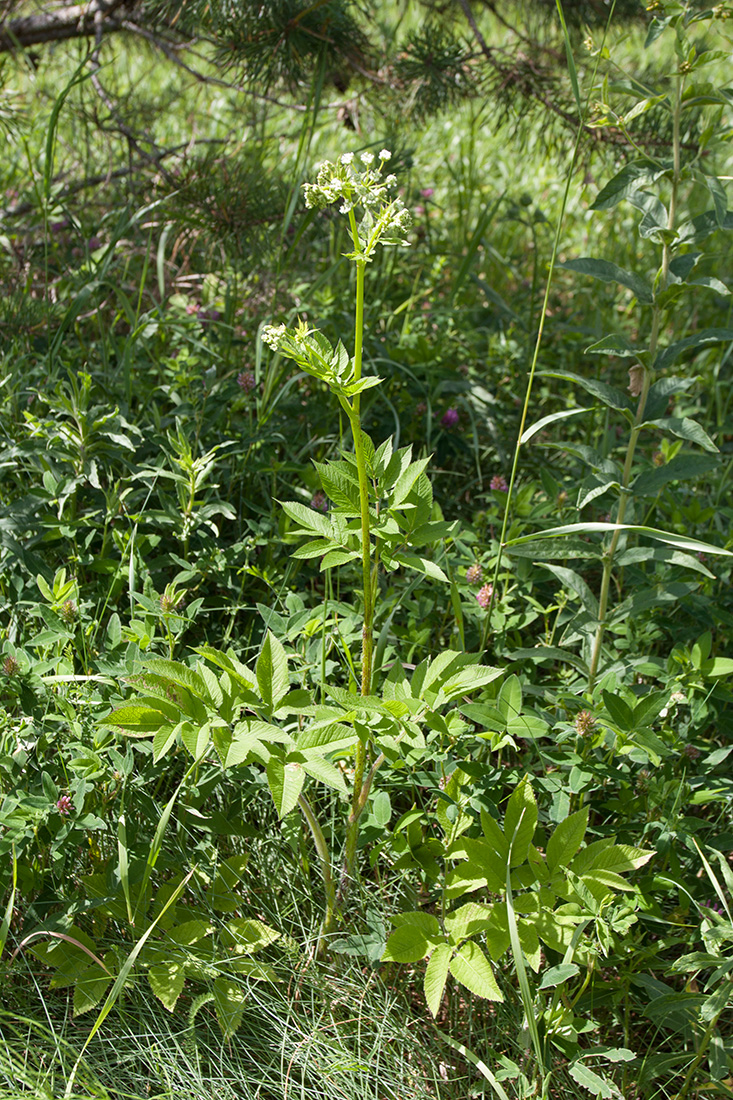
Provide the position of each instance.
(467, 921)
(285, 782)
(587, 1079)
(308, 518)
(566, 839)
(520, 821)
(624, 184)
(706, 336)
(472, 969)
(338, 557)
(609, 395)
(406, 481)
(91, 986)
(407, 944)
(179, 673)
(545, 422)
(229, 1001)
(684, 428)
(662, 536)
(572, 580)
(136, 718)
(436, 976)
(324, 772)
(609, 272)
(614, 344)
(382, 808)
(248, 937)
(556, 975)
(680, 468)
(272, 671)
(166, 981)
(190, 931)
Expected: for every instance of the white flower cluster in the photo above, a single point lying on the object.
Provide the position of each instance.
(272, 335)
(385, 219)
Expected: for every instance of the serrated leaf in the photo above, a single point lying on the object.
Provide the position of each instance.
(308, 518)
(566, 839)
(472, 969)
(272, 671)
(407, 944)
(285, 782)
(420, 565)
(609, 272)
(90, 987)
(325, 772)
(190, 931)
(141, 719)
(248, 936)
(436, 976)
(229, 1001)
(338, 557)
(407, 480)
(680, 468)
(166, 981)
(520, 821)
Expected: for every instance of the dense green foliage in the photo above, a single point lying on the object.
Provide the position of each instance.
(366, 555)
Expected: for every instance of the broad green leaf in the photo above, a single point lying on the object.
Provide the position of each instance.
(566, 839)
(609, 395)
(609, 272)
(467, 921)
(717, 666)
(248, 936)
(510, 697)
(382, 808)
(484, 862)
(229, 1001)
(285, 782)
(684, 428)
(624, 184)
(591, 1081)
(406, 481)
(407, 944)
(272, 671)
(664, 554)
(190, 931)
(165, 736)
(138, 719)
(681, 468)
(195, 738)
(338, 557)
(436, 976)
(420, 565)
(472, 969)
(91, 986)
(705, 337)
(324, 772)
(530, 944)
(166, 981)
(520, 822)
(177, 672)
(613, 344)
(328, 736)
(557, 975)
(545, 422)
(308, 518)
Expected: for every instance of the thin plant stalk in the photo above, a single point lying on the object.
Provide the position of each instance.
(610, 553)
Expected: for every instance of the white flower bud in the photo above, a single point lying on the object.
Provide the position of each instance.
(384, 154)
(346, 158)
(367, 158)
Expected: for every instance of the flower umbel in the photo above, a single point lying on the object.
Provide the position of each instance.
(64, 805)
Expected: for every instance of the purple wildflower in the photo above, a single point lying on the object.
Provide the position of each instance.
(64, 805)
(483, 596)
(450, 418)
(319, 501)
(499, 483)
(474, 573)
(246, 381)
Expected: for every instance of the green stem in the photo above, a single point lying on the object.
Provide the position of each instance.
(325, 857)
(357, 800)
(639, 418)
